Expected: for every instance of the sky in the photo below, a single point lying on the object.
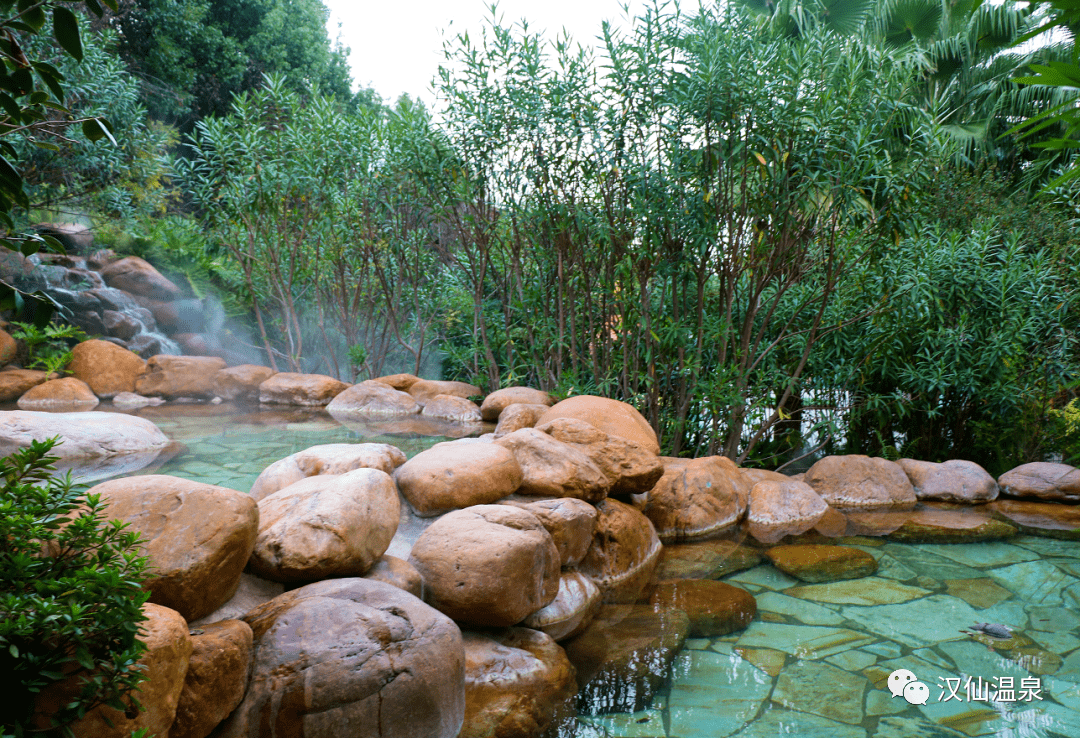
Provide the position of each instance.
(398, 48)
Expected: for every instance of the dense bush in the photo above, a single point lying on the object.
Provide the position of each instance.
(70, 596)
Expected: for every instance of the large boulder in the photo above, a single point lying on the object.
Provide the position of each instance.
(165, 664)
(1040, 480)
(107, 368)
(424, 390)
(554, 469)
(349, 657)
(611, 416)
(696, 498)
(450, 407)
(85, 435)
(197, 536)
(138, 277)
(179, 376)
(860, 481)
(951, 481)
(499, 400)
(216, 678)
(14, 383)
(571, 611)
(240, 382)
(631, 467)
(489, 565)
(398, 572)
(457, 474)
(289, 388)
(713, 608)
(782, 508)
(325, 526)
(399, 381)
(329, 458)
(624, 553)
(518, 684)
(372, 398)
(66, 393)
(517, 416)
(569, 521)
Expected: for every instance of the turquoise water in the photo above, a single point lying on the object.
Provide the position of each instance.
(815, 660)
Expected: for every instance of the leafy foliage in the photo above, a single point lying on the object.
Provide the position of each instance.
(49, 347)
(70, 596)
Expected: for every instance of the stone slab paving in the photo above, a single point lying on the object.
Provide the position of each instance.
(714, 695)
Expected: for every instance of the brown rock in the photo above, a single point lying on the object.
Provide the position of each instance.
(329, 458)
(623, 657)
(705, 560)
(753, 476)
(289, 388)
(216, 678)
(571, 611)
(240, 382)
(953, 481)
(1049, 519)
(14, 383)
(941, 525)
(611, 416)
(695, 498)
(351, 657)
(8, 347)
(179, 376)
(1039, 480)
(325, 526)
(782, 508)
(400, 382)
(135, 275)
(132, 401)
(107, 368)
(424, 390)
(631, 468)
(814, 563)
(165, 663)
(624, 552)
(449, 407)
(66, 393)
(569, 521)
(198, 537)
(489, 565)
(119, 325)
(454, 475)
(714, 608)
(398, 572)
(517, 416)
(374, 399)
(860, 481)
(518, 684)
(252, 592)
(499, 400)
(554, 469)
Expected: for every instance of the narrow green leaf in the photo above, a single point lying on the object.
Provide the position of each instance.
(66, 32)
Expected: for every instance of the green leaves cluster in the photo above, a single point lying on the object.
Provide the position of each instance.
(70, 597)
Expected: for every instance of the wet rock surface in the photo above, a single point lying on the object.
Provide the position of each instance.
(695, 498)
(860, 481)
(449, 476)
(496, 402)
(812, 563)
(1042, 481)
(713, 608)
(216, 678)
(331, 458)
(624, 553)
(611, 416)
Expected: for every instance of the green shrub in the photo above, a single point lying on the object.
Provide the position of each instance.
(48, 348)
(70, 595)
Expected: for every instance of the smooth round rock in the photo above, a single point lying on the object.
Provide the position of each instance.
(554, 469)
(398, 572)
(632, 468)
(56, 394)
(309, 390)
(611, 416)
(571, 611)
(517, 416)
(179, 376)
(695, 498)
(351, 657)
(240, 382)
(329, 458)
(499, 400)
(86, 435)
(817, 563)
(449, 407)
(1048, 519)
(399, 381)
(138, 277)
(488, 565)
(1040, 480)
(860, 481)
(570, 522)
(324, 526)
(455, 475)
(216, 678)
(951, 481)
(782, 508)
(106, 368)
(624, 552)
(372, 399)
(14, 383)
(197, 536)
(424, 390)
(713, 608)
(518, 684)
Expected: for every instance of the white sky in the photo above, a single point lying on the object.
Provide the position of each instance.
(398, 48)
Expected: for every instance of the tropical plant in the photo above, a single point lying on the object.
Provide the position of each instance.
(70, 598)
(49, 347)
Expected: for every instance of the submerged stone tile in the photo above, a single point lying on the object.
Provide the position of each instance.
(869, 591)
(714, 695)
(890, 568)
(1057, 643)
(777, 722)
(817, 563)
(1070, 668)
(979, 593)
(853, 660)
(930, 656)
(807, 613)
(920, 622)
(1036, 582)
(929, 564)
(951, 526)
(887, 649)
(822, 689)
(705, 560)
(981, 555)
(1053, 619)
(977, 661)
(763, 576)
(769, 661)
(1045, 546)
(804, 641)
(641, 724)
(882, 702)
(967, 718)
